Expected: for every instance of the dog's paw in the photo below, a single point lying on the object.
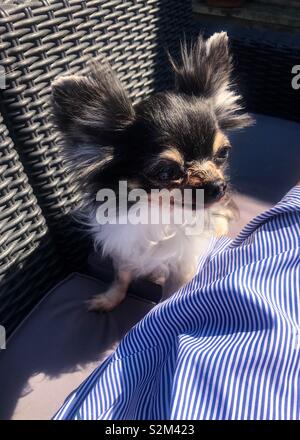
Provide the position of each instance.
(102, 302)
(221, 226)
(108, 300)
(221, 218)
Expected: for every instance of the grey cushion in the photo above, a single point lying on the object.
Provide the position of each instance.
(265, 159)
(265, 164)
(58, 345)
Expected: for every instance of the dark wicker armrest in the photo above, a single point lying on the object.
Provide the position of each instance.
(29, 263)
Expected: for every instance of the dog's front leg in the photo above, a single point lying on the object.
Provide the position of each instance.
(114, 295)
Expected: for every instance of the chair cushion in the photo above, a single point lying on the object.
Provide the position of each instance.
(58, 346)
(265, 158)
(265, 163)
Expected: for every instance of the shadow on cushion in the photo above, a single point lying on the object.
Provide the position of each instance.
(58, 346)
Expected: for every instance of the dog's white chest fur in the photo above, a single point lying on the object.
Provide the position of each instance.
(157, 250)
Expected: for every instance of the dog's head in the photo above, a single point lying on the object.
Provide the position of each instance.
(175, 139)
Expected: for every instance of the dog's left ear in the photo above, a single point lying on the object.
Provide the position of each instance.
(204, 70)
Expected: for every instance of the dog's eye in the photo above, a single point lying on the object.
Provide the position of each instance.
(222, 154)
(164, 176)
(172, 173)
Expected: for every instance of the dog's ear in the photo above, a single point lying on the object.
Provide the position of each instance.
(204, 67)
(91, 113)
(204, 70)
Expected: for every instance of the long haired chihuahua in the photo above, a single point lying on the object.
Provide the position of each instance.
(171, 140)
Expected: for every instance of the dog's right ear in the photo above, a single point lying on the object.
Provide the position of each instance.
(91, 113)
(204, 71)
(204, 68)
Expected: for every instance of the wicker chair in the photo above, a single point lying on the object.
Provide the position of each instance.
(39, 245)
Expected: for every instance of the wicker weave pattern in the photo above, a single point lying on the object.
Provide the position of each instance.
(24, 276)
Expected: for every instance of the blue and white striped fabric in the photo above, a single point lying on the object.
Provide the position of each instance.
(224, 347)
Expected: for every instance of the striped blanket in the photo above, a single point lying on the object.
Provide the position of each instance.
(226, 346)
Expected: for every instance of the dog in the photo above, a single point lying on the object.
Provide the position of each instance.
(177, 139)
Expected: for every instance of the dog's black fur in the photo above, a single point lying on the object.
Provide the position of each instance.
(107, 139)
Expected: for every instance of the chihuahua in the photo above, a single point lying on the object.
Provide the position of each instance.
(177, 139)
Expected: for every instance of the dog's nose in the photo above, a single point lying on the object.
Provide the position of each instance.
(214, 190)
